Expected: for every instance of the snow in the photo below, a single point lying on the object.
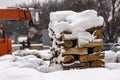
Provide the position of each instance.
(21, 39)
(75, 22)
(60, 16)
(118, 56)
(110, 56)
(44, 54)
(30, 67)
(85, 74)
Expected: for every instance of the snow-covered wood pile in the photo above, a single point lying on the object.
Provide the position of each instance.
(75, 36)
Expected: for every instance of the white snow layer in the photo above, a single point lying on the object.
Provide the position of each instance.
(72, 21)
(76, 23)
(43, 54)
(110, 57)
(30, 67)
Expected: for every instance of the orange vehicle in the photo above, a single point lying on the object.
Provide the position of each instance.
(11, 14)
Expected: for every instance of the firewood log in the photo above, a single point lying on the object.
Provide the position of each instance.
(68, 43)
(91, 57)
(68, 58)
(97, 63)
(92, 44)
(98, 32)
(97, 49)
(76, 51)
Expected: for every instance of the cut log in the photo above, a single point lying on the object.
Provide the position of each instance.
(68, 59)
(68, 43)
(97, 63)
(97, 49)
(76, 51)
(98, 32)
(91, 57)
(92, 44)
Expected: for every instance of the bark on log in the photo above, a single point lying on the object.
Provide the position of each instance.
(56, 53)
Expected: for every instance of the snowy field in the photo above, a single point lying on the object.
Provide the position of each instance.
(24, 65)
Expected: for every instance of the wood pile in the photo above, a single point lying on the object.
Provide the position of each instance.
(87, 55)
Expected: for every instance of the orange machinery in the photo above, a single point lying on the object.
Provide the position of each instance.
(11, 14)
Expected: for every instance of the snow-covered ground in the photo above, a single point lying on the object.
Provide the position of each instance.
(35, 64)
(29, 67)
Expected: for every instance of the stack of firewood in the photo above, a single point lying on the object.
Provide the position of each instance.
(76, 38)
(79, 56)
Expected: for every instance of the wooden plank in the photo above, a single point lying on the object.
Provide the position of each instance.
(92, 44)
(91, 57)
(76, 51)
